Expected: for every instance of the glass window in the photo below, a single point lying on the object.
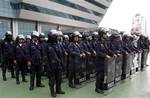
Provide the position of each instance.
(76, 6)
(26, 27)
(45, 27)
(5, 25)
(55, 13)
(97, 4)
(8, 8)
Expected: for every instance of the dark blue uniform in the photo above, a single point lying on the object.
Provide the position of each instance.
(93, 43)
(43, 46)
(126, 47)
(132, 47)
(54, 68)
(34, 56)
(8, 57)
(88, 50)
(74, 61)
(21, 59)
(62, 54)
(66, 58)
(101, 53)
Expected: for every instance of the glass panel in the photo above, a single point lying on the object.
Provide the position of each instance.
(5, 25)
(45, 28)
(55, 13)
(26, 27)
(76, 6)
(8, 8)
(97, 4)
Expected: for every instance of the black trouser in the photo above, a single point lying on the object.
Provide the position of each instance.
(20, 66)
(72, 77)
(55, 79)
(100, 80)
(35, 72)
(7, 63)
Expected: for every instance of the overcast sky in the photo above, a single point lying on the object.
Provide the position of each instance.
(120, 14)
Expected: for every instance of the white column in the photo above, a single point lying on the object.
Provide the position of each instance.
(15, 28)
(39, 28)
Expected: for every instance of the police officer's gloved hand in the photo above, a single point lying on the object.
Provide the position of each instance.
(66, 53)
(118, 54)
(107, 56)
(94, 52)
(15, 62)
(126, 53)
(29, 64)
(114, 55)
(88, 53)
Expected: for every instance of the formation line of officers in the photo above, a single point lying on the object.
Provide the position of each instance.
(74, 57)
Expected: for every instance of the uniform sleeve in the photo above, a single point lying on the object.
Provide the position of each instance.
(28, 52)
(72, 51)
(99, 53)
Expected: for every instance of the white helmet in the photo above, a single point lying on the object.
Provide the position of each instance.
(95, 33)
(66, 36)
(35, 33)
(76, 33)
(42, 34)
(46, 39)
(28, 37)
(54, 32)
(60, 33)
(21, 36)
(107, 29)
(8, 33)
(80, 35)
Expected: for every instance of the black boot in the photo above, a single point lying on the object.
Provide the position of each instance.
(71, 85)
(60, 92)
(99, 91)
(18, 82)
(4, 78)
(24, 80)
(51, 86)
(53, 94)
(13, 76)
(40, 85)
(31, 88)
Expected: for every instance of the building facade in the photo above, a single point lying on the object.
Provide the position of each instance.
(24, 16)
(139, 25)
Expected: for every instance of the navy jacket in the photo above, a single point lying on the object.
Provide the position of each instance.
(74, 56)
(101, 52)
(53, 60)
(34, 53)
(20, 52)
(8, 50)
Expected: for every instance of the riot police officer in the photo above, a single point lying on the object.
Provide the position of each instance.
(27, 43)
(94, 39)
(8, 55)
(43, 46)
(28, 39)
(66, 42)
(75, 55)
(54, 66)
(102, 53)
(34, 61)
(65, 45)
(116, 45)
(61, 52)
(89, 51)
(126, 40)
(20, 58)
